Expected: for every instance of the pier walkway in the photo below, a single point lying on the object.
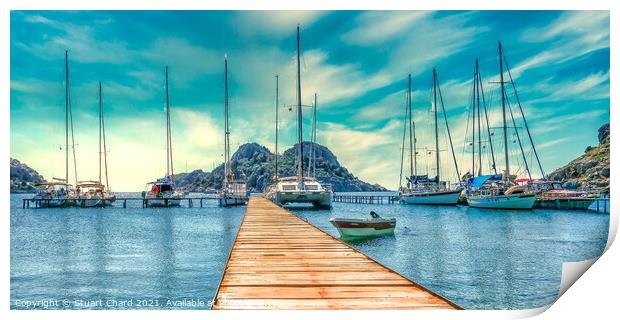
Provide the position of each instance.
(279, 261)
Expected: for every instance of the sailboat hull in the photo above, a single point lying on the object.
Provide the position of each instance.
(321, 200)
(514, 201)
(89, 203)
(433, 198)
(228, 201)
(95, 202)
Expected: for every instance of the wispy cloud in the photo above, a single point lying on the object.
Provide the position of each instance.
(377, 27)
(84, 45)
(573, 34)
(274, 23)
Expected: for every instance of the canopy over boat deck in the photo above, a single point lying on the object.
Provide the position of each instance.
(279, 261)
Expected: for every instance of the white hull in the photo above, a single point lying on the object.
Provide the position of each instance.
(364, 232)
(448, 197)
(514, 201)
(320, 199)
(89, 203)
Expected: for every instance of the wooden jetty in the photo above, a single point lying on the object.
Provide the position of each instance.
(279, 261)
(366, 199)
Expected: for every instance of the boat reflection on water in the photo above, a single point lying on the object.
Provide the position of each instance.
(356, 228)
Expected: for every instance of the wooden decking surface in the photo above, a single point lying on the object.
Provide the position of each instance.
(279, 261)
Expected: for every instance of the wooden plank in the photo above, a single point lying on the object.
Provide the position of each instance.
(279, 261)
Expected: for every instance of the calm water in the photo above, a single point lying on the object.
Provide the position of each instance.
(174, 258)
(479, 259)
(153, 258)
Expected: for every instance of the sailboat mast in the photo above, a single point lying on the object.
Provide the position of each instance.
(226, 130)
(486, 117)
(501, 77)
(300, 149)
(436, 129)
(314, 137)
(67, 116)
(100, 131)
(402, 149)
(412, 158)
(277, 106)
(473, 125)
(105, 155)
(479, 122)
(75, 175)
(167, 127)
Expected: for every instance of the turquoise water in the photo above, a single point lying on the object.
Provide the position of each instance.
(97, 258)
(174, 258)
(477, 258)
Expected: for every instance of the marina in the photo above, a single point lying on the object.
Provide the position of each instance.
(414, 198)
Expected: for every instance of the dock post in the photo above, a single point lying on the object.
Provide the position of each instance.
(191, 203)
(166, 202)
(201, 202)
(125, 203)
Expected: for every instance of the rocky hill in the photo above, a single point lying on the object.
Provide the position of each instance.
(23, 178)
(255, 164)
(589, 171)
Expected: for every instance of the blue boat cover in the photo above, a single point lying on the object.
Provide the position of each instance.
(479, 181)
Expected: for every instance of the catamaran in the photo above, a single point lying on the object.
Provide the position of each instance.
(497, 191)
(95, 193)
(300, 188)
(233, 191)
(163, 192)
(59, 192)
(421, 189)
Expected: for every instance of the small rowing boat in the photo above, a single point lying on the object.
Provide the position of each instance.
(375, 226)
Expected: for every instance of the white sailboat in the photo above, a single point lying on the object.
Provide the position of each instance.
(421, 189)
(59, 192)
(497, 191)
(233, 192)
(163, 192)
(299, 188)
(95, 193)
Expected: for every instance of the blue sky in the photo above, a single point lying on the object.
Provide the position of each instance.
(356, 61)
